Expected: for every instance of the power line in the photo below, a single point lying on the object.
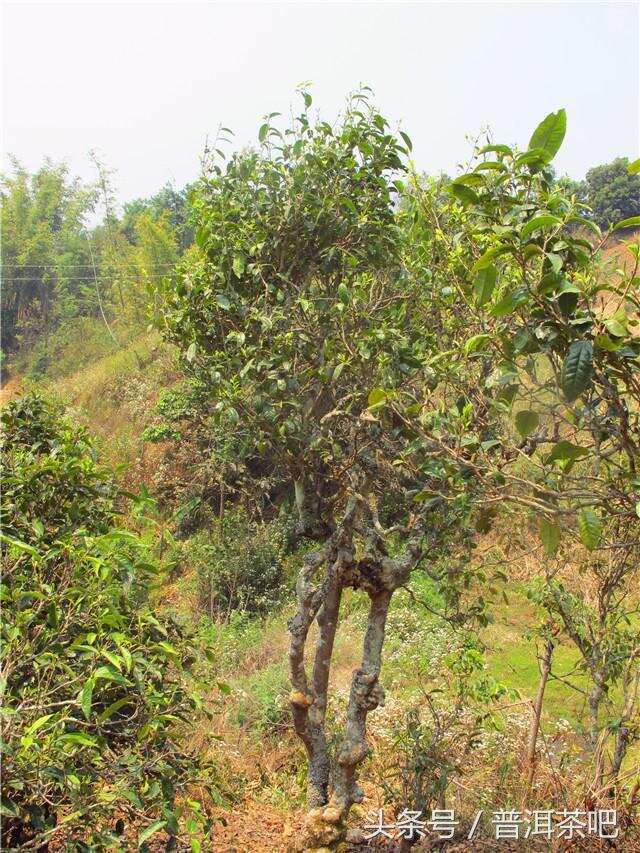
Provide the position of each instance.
(64, 266)
(104, 277)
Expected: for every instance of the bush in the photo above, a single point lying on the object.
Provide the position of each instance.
(94, 683)
(612, 192)
(242, 566)
(433, 742)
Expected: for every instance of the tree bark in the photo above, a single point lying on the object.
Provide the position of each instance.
(319, 764)
(366, 694)
(545, 669)
(595, 698)
(624, 733)
(332, 784)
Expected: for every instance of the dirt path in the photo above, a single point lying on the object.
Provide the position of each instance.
(10, 388)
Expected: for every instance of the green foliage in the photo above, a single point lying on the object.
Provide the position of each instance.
(60, 275)
(612, 192)
(563, 340)
(264, 704)
(241, 566)
(296, 313)
(433, 740)
(46, 263)
(168, 202)
(546, 335)
(95, 684)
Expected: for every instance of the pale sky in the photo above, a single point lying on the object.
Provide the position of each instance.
(145, 83)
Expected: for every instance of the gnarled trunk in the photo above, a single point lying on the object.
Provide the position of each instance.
(332, 786)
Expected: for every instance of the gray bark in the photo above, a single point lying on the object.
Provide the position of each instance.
(366, 694)
(332, 781)
(545, 669)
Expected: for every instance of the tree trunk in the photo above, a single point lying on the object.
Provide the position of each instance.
(623, 735)
(545, 669)
(595, 698)
(325, 823)
(332, 785)
(366, 694)
(319, 764)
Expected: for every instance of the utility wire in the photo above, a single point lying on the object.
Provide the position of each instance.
(95, 276)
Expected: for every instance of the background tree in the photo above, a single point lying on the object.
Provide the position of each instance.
(46, 264)
(612, 192)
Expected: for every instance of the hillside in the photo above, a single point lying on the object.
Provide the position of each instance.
(250, 738)
(321, 505)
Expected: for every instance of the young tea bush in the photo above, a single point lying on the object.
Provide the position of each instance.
(94, 684)
(242, 566)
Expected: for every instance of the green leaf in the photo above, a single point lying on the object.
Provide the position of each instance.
(39, 723)
(109, 673)
(114, 660)
(338, 370)
(223, 301)
(262, 133)
(485, 283)
(464, 193)
(549, 134)
(498, 149)
(617, 325)
(476, 343)
(564, 451)
(604, 342)
(377, 397)
(167, 647)
(19, 544)
(538, 223)
(115, 706)
(535, 158)
(78, 738)
(151, 830)
(191, 352)
(7, 808)
(632, 222)
(86, 694)
(577, 369)
(550, 536)
(485, 259)
(527, 422)
(238, 265)
(128, 658)
(343, 293)
(509, 302)
(590, 527)
(634, 168)
(407, 141)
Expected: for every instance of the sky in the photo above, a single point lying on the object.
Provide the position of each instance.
(145, 83)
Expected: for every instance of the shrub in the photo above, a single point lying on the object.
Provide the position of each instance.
(263, 705)
(432, 743)
(94, 683)
(242, 566)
